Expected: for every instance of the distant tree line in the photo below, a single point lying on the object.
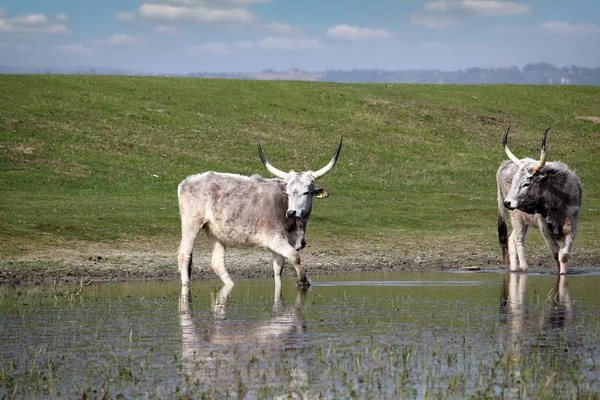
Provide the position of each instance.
(533, 73)
(538, 73)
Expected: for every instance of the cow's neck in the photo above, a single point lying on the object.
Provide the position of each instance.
(551, 206)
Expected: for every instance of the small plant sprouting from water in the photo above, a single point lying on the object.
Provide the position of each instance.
(70, 295)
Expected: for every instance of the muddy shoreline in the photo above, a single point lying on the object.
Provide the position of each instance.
(61, 267)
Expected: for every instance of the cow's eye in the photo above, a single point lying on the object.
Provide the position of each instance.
(526, 184)
(305, 193)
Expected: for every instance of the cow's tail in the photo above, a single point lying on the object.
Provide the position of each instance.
(502, 231)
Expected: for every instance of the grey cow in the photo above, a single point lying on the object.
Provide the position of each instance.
(235, 210)
(545, 195)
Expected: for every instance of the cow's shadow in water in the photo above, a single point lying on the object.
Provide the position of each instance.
(225, 357)
(544, 325)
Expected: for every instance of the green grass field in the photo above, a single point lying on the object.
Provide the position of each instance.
(93, 159)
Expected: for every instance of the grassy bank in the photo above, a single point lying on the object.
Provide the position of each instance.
(92, 161)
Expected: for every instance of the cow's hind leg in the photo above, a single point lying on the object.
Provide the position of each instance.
(281, 246)
(217, 261)
(556, 249)
(565, 252)
(189, 231)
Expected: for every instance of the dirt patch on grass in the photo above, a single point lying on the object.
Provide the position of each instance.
(595, 120)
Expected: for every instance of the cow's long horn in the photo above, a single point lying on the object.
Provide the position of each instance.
(507, 150)
(327, 168)
(272, 169)
(542, 162)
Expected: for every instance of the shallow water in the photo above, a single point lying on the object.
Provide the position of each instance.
(388, 335)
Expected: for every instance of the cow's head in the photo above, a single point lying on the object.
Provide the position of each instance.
(299, 186)
(525, 190)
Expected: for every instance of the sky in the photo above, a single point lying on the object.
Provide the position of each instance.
(189, 36)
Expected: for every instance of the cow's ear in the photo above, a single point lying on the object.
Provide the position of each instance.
(320, 193)
(546, 173)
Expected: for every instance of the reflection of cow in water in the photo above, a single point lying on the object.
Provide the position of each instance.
(514, 306)
(248, 357)
(535, 328)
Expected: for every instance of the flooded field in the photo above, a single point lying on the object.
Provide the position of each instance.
(391, 335)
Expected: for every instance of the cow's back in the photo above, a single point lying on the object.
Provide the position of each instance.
(236, 209)
(504, 176)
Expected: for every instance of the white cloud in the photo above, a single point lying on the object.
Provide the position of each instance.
(31, 25)
(444, 14)
(122, 39)
(55, 29)
(30, 19)
(481, 8)
(287, 43)
(347, 32)
(198, 14)
(5, 26)
(61, 17)
(75, 48)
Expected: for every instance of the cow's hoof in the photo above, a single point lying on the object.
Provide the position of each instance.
(303, 284)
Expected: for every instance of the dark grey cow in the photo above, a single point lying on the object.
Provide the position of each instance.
(545, 195)
(238, 210)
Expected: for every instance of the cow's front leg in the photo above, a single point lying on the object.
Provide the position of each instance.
(278, 261)
(516, 245)
(218, 302)
(281, 246)
(512, 252)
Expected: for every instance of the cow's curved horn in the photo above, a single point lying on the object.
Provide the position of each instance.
(272, 169)
(327, 168)
(509, 153)
(542, 161)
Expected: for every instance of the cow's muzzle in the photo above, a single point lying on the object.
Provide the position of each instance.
(302, 245)
(290, 214)
(509, 205)
(295, 214)
(512, 206)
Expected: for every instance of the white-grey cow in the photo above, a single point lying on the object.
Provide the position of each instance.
(545, 195)
(235, 210)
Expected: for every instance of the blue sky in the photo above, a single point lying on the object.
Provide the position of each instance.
(181, 36)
